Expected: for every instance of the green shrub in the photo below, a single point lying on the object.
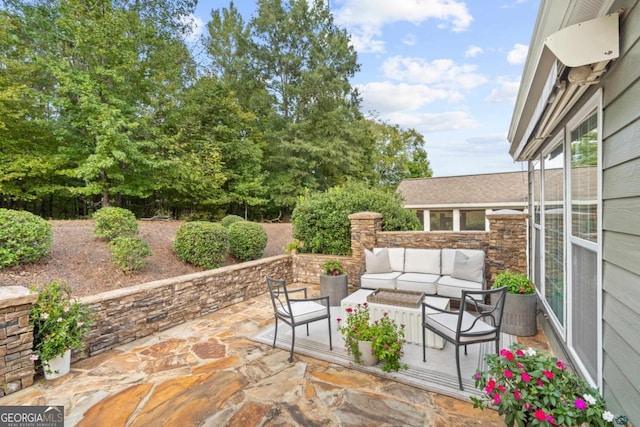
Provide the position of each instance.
(321, 220)
(113, 222)
(128, 253)
(230, 219)
(202, 243)
(24, 237)
(247, 240)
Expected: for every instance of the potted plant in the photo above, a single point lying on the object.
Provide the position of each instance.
(519, 314)
(370, 342)
(60, 324)
(333, 281)
(530, 387)
(293, 247)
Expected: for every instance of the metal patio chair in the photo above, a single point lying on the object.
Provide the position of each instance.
(296, 311)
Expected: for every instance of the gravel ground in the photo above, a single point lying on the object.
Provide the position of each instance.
(82, 260)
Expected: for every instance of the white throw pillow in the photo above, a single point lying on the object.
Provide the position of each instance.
(468, 267)
(377, 262)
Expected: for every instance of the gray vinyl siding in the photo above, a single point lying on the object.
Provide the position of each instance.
(621, 222)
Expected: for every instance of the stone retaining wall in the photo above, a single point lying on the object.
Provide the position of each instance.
(16, 339)
(128, 314)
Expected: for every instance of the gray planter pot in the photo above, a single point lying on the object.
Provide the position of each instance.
(519, 317)
(335, 287)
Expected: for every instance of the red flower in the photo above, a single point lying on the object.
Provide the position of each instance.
(490, 386)
(496, 399)
(540, 415)
(506, 354)
(508, 373)
(548, 374)
(349, 310)
(519, 352)
(525, 377)
(516, 394)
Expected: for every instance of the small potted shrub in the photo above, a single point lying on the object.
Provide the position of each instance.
(531, 388)
(60, 324)
(371, 342)
(519, 314)
(333, 281)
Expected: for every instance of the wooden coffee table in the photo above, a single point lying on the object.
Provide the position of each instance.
(411, 317)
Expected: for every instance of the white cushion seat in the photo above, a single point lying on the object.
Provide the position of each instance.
(304, 310)
(448, 323)
(418, 282)
(380, 280)
(451, 287)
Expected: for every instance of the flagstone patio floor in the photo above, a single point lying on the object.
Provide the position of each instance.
(207, 372)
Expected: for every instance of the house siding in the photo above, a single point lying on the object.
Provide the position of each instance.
(621, 224)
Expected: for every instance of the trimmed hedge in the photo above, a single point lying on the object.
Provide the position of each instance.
(202, 243)
(247, 240)
(230, 219)
(128, 253)
(24, 238)
(321, 220)
(113, 222)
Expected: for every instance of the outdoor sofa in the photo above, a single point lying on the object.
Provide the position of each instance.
(444, 272)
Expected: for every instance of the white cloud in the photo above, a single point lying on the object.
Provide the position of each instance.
(518, 54)
(473, 51)
(434, 122)
(442, 73)
(409, 40)
(506, 91)
(196, 25)
(365, 18)
(387, 97)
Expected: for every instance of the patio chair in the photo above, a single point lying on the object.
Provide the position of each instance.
(296, 311)
(477, 320)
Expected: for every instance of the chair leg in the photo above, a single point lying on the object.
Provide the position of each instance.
(275, 334)
(307, 329)
(424, 347)
(330, 343)
(458, 365)
(293, 342)
(465, 350)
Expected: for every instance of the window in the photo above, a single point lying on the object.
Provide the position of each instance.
(441, 220)
(584, 178)
(472, 220)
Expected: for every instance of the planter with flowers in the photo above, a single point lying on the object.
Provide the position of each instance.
(333, 282)
(60, 324)
(370, 342)
(519, 314)
(531, 388)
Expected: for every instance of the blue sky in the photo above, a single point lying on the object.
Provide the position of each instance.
(446, 68)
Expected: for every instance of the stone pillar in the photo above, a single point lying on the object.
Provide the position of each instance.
(507, 243)
(364, 227)
(16, 339)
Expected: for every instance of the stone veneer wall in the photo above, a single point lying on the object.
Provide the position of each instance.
(131, 313)
(307, 268)
(16, 339)
(504, 244)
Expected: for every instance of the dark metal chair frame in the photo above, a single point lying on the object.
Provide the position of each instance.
(488, 308)
(284, 309)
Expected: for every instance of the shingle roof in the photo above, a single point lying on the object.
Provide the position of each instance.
(485, 189)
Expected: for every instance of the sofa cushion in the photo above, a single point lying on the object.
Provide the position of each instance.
(422, 261)
(468, 267)
(377, 262)
(396, 258)
(417, 282)
(379, 281)
(452, 288)
(449, 258)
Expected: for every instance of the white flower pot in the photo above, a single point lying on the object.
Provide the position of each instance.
(58, 366)
(367, 358)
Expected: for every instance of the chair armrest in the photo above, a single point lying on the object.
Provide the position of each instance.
(304, 290)
(326, 298)
(438, 309)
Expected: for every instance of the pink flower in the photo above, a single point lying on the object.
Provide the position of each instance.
(525, 377)
(34, 357)
(502, 389)
(560, 365)
(506, 354)
(496, 399)
(516, 394)
(65, 309)
(519, 352)
(490, 386)
(508, 373)
(59, 320)
(339, 320)
(539, 383)
(349, 310)
(520, 365)
(548, 374)
(540, 415)
(581, 404)
(527, 406)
